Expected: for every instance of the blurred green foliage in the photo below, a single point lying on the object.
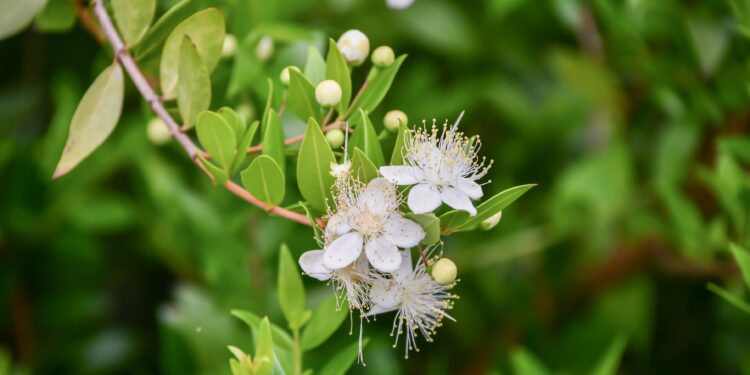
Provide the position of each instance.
(631, 115)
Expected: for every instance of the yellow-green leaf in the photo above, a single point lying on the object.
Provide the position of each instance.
(133, 18)
(194, 85)
(220, 175)
(264, 349)
(397, 157)
(94, 119)
(337, 69)
(273, 138)
(302, 100)
(264, 179)
(362, 168)
(217, 137)
(234, 120)
(243, 145)
(313, 167)
(315, 66)
(366, 138)
(17, 14)
(152, 42)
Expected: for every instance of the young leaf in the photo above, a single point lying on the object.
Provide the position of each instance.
(94, 119)
(315, 66)
(366, 139)
(378, 87)
(219, 174)
(302, 100)
(16, 15)
(243, 145)
(313, 167)
(291, 289)
(456, 221)
(133, 18)
(397, 157)
(235, 121)
(152, 42)
(431, 225)
(264, 349)
(341, 363)
(273, 138)
(362, 167)
(325, 320)
(337, 69)
(217, 137)
(279, 336)
(264, 179)
(742, 256)
(610, 361)
(194, 85)
(525, 363)
(206, 31)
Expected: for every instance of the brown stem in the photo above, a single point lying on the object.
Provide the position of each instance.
(293, 140)
(421, 255)
(354, 101)
(88, 22)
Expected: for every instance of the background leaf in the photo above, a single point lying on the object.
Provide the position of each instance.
(133, 18)
(264, 179)
(343, 360)
(326, 319)
(742, 256)
(291, 290)
(16, 15)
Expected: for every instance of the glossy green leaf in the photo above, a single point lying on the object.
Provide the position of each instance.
(264, 179)
(742, 256)
(431, 225)
(243, 145)
(315, 66)
(273, 138)
(264, 349)
(94, 119)
(362, 168)
(343, 360)
(194, 85)
(57, 16)
(235, 121)
(302, 100)
(610, 361)
(313, 167)
(456, 221)
(366, 139)
(220, 175)
(378, 87)
(133, 18)
(16, 15)
(729, 297)
(337, 69)
(206, 31)
(291, 289)
(397, 157)
(525, 363)
(152, 42)
(217, 138)
(326, 319)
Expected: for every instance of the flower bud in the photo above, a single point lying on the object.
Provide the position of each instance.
(399, 4)
(229, 46)
(492, 221)
(393, 120)
(355, 46)
(383, 56)
(335, 138)
(264, 49)
(284, 76)
(157, 131)
(246, 112)
(444, 271)
(328, 93)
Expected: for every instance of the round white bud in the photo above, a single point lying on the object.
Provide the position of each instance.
(284, 76)
(335, 138)
(399, 4)
(444, 271)
(383, 56)
(246, 112)
(157, 131)
(328, 93)
(229, 47)
(355, 46)
(393, 120)
(492, 221)
(264, 49)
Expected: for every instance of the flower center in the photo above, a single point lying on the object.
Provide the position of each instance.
(369, 224)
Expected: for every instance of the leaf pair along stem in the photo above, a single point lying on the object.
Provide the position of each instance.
(122, 55)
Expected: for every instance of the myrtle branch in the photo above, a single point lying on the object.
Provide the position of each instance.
(155, 102)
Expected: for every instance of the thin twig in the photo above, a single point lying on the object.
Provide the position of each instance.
(354, 101)
(292, 140)
(88, 22)
(421, 255)
(123, 55)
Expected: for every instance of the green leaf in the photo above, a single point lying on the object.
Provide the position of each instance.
(315, 66)
(317, 232)
(220, 175)
(341, 363)
(291, 289)
(525, 363)
(133, 18)
(431, 225)
(57, 16)
(378, 87)
(302, 100)
(243, 145)
(16, 15)
(264, 349)
(742, 256)
(235, 121)
(273, 138)
(366, 139)
(206, 31)
(194, 85)
(362, 168)
(337, 69)
(326, 319)
(216, 136)
(610, 361)
(264, 179)
(729, 297)
(279, 336)
(313, 167)
(456, 221)
(152, 42)
(397, 157)
(94, 119)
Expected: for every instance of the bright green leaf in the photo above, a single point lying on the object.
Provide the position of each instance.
(264, 179)
(317, 232)
(17, 14)
(280, 337)
(220, 176)
(366, 139)
(742, 256)
(152, 42)
(94, 119)
(273, 138)
(362, 168)
(397, 157)
(341, 362)
(133, 18)
(194, 85)
(315, 66)
(235, 121)
(325, 320)
(455, 221)
(243, 145)
(378, 87)
(217, 137)
(302, 100)
(431, 225)
(264, 349)
(525, 363)
(610, 361)
(337, 69)
(291, 289)
(313, 167)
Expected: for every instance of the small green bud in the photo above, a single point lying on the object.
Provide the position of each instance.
(229, 47)
(335, 138)
(492, 221)
(284, 76)
(157, 132)
(328, 93)
(393, 120)
(444, 271)
(383, 56)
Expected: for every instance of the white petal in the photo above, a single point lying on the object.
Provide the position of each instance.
(311, 263)
(343, 251)
(378, 197)
(405, 269)
(423, 198)
(337, 225)
(470, 188)
(458, 200)
(403, 232)
(385, 294)
(402, 175)
(382, 254)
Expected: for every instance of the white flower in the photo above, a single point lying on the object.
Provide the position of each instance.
(420, 302)
(340, 171)
(444, 167)
(352, 282)
(399, 4)
(355, 46)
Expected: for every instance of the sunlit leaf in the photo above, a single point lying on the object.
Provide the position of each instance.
(313, 167)
(264, 179)
(217, 137)
(194, 85)
(152, 42)
(397, 157)
(220, 175)
(133, 18)
(264, 348)
(235, 122)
